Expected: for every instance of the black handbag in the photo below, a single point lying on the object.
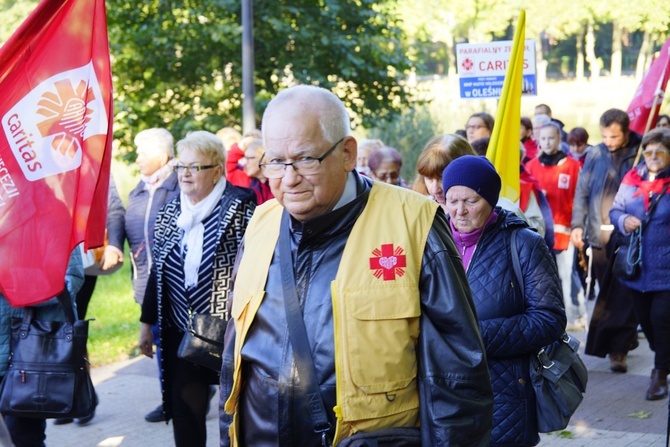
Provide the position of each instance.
(628, 256)
(559, 378)
(48, 373)
(202, 343)
(557, 373)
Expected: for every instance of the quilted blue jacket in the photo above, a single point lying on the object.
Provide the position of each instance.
(513, 326)
(655, 269)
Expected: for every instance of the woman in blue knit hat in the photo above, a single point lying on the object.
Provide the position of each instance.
(513, 325)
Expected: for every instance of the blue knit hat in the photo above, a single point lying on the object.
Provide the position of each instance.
(475, 172)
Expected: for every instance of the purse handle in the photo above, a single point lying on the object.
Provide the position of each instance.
(298, 334)
(66, 304)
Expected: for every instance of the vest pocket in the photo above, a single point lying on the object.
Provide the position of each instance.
(381, 338)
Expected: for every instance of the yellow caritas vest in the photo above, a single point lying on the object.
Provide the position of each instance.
(376, 307)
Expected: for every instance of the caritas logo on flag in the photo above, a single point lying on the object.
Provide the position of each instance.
(47, 127)
(56, 119)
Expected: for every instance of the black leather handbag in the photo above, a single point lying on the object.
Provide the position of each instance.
(628, 256)
(559, 378)
(202, 343)
(48, 370)
(557, 373)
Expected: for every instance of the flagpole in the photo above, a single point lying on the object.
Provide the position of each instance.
(655, 105)
(647, 127)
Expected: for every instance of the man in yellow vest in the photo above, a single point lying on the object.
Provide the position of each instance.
(388, 315)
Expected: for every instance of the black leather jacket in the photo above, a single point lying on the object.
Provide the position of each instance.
(454, 385)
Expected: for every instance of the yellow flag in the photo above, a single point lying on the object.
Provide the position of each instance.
(503, 149)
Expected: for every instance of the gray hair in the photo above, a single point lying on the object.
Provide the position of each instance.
(205, 143)
(158, 138)
(541, 120)
(333, 118)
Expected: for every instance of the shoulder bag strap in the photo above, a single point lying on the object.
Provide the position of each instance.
(647, 216)
(63, 299)
(298, 334)
(635, 256)
(66, 303)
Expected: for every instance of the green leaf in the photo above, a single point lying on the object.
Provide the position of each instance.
(640, 415)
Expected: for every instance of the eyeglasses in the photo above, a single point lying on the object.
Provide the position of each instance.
(474, 126)
(186, 168)
(656, 152)
(304, 166)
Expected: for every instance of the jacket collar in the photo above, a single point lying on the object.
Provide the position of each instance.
(337, 221)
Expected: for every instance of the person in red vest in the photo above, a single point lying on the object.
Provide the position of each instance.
(557, 174)
(253, 156)
(235, 174)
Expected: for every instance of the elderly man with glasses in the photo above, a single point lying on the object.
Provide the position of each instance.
(351, 311)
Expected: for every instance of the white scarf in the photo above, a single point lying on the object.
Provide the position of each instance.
(190, 221)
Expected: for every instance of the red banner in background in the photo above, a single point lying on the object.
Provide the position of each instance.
(649, 94)
(55, 145)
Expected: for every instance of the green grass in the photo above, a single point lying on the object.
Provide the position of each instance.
(114, 332)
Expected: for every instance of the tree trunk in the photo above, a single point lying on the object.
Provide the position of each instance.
(641, 65)
(579, 65)
(590, 50)
(540, 63)
(451, 54)
(615, 66)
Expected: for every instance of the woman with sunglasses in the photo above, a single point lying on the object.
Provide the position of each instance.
(196, 239)
(643, 200)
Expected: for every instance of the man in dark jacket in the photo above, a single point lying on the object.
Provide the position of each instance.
(158, 185)
(389, 318)
(615, 332)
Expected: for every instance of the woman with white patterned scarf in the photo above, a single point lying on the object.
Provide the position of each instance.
(196, 238)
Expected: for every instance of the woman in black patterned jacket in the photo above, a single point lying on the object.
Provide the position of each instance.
(196, 238)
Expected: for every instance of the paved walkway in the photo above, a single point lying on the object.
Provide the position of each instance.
(614, 412)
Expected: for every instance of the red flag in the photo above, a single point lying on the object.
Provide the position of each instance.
(649, 93)
(55, 144)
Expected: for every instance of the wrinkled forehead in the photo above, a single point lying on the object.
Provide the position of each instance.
(295, 132)
(462, 192)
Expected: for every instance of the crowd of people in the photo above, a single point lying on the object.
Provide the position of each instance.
(359, 301)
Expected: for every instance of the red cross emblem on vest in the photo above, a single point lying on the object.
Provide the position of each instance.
(387, 262)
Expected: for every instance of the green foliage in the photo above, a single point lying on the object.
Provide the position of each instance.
(640, 415)
(13, 13)
(178, 64)
(408, 133)
(565, 434)
(114, 332)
